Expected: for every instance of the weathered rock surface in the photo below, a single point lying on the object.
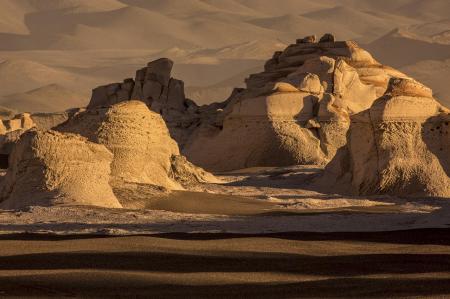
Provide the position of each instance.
(143, 150)
(21, 121)
(399, 146)
(49, 168)
(12, 128)
(296, 111)
(163, 94)
(10, 131)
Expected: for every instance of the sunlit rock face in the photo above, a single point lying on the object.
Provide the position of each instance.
(297, 111)
(51, 168)
(399, 146)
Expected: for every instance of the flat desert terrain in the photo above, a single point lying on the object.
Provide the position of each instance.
(263, 233)
(397, 264)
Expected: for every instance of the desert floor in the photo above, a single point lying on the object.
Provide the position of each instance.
(261, 233)
(414, 263)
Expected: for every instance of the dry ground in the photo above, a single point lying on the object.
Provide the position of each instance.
(262, 233)
(397, 264)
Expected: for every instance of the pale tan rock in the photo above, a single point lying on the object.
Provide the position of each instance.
(142, 148)
(21, 121)
(260, 131)
(307, 40)
(311, 84)
(322, 66)
(50, 168)
(348, 88)
(306, 93)
(330, 81)
(399, 146)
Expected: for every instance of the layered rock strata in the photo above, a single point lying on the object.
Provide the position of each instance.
(399, 146)
(294, 112)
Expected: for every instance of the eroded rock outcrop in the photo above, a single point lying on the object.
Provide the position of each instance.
(399, 146)
(163, 94)
(10, 131)
(12, 128)
(143, 151)
(49, 168)
(296, 111)
(21, 121)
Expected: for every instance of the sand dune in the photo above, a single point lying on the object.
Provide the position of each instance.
(209, 40)
(434, 73)
(272, 8)
(429, 9)
(391, 49)
(20, 77)
(299, 25)
(44, 99)
(12, 18)
(369, 24)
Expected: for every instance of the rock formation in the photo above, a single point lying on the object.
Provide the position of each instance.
(12, 128)
(49, 168)
(154, 86)
(143, 150)
(21, 121)
(10, 131)
(399, 146)
(296, 111)
(315, 102)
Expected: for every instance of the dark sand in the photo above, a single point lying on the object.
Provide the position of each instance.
(375, 265)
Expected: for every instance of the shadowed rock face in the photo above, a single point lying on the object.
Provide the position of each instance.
(399, 146)
(49, 168)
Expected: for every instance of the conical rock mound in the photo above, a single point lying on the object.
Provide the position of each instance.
(49, 168)
(143, 151)
(399, 146)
